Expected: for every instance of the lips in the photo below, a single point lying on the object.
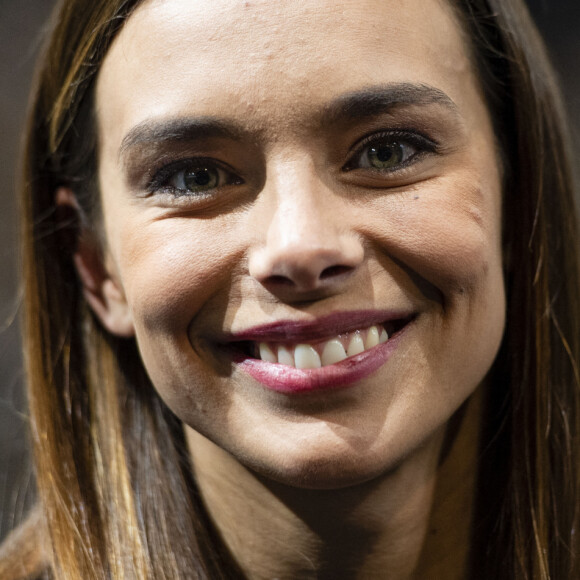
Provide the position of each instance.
(334, 351)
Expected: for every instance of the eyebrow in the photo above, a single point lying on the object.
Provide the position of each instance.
(158, 131)
(367, 102)
(376, 100)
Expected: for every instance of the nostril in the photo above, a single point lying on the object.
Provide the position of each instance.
(304, 278)
(333, 271)
(279, 281)
(305, 266)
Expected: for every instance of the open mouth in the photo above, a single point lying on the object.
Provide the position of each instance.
(317, 353)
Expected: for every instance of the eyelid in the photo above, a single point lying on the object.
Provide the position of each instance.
(416, 139)
(159, 183)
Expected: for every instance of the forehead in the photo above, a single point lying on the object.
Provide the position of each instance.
(268, 62)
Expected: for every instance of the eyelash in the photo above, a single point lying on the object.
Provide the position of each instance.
(405, 139)
(161, 181)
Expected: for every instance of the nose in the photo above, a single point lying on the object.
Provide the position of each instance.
(307, 241)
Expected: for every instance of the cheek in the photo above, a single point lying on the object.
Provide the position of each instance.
(171, 268)
(448, 235)
(462, 256)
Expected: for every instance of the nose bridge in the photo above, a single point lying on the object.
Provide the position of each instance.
(307, 238)
(302, 217)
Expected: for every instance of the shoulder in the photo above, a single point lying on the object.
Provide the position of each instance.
(24, 554)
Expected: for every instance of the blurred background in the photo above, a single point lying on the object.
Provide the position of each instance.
(21, 26)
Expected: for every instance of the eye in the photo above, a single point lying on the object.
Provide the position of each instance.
(389, 152)
(196, 179)
(192, 177)
(386, 155)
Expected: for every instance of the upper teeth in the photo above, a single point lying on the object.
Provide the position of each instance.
(334, 350)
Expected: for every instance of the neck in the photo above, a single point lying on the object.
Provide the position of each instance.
(408, 524)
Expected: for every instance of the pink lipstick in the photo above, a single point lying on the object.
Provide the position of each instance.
(356, 365)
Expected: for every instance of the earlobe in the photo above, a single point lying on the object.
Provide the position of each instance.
(102, 290)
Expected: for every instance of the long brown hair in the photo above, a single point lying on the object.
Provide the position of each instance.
(114, 479)
(528, 489)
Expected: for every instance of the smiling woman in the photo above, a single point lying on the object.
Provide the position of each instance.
(302, 295)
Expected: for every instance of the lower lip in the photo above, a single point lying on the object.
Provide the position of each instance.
(347, 373)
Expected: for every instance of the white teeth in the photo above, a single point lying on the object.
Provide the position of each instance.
(285, 356)
(356, 345)
(306, 357)
(372, 337)
(333, 352)
(267, 354)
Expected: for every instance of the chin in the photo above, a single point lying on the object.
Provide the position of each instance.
(335, 478)
(331, 471)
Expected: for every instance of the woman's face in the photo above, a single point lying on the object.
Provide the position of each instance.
(302, 174)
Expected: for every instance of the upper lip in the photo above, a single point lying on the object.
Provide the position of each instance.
(320, 328)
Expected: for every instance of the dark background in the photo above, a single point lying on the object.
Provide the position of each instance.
(21, 25)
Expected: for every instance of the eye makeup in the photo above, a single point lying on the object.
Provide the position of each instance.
(375, 139)
(389, 151)
(192, 177)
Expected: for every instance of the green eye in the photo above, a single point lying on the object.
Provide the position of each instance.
(386, 156)
(390, 151)
(192, 177)
(197, 180)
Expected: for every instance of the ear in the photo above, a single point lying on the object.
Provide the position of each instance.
(101, 287)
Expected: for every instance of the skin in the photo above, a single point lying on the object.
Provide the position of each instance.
(300, 229)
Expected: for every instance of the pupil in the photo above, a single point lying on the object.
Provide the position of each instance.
(387, 155)
(200, 177)
(384, 154)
